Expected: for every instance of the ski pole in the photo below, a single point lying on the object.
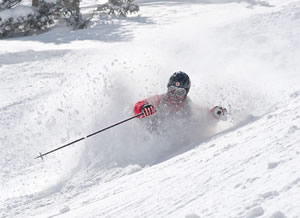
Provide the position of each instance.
(80, 139)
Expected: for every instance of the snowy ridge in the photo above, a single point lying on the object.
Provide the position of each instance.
(62, 85)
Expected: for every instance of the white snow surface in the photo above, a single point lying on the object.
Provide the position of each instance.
(61, 85)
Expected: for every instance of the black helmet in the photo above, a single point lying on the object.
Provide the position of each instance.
(180, 79)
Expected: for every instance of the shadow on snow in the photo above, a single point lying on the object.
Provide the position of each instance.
(173, 2)
(106, 30)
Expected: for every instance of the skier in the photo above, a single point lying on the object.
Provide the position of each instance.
(173, 104)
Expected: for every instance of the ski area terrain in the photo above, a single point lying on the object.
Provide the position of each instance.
(61, 85)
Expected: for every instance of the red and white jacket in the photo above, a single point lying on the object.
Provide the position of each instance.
(162, 103)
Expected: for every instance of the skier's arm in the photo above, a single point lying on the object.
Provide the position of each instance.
(144, 107)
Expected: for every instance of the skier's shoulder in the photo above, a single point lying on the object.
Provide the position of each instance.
(155, 99)
(188, 101)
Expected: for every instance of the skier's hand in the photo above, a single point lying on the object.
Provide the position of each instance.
(148, 110)
(219, 113)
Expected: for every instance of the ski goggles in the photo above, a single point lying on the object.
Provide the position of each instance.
(180, 92)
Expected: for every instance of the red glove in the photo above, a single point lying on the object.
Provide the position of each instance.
(148, 110)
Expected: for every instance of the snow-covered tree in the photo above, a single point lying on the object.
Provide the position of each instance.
(35, 3)
(119, 7)
(7, 4)
(44, 15)
(41, 18)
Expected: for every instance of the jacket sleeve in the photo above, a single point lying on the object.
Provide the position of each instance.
(154, 100)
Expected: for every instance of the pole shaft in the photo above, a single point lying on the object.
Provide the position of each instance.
(80, 139)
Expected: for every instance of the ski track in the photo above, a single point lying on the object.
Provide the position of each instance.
(61, 85)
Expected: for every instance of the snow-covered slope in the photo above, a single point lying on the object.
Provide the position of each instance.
(61, 85)
(245, 172)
